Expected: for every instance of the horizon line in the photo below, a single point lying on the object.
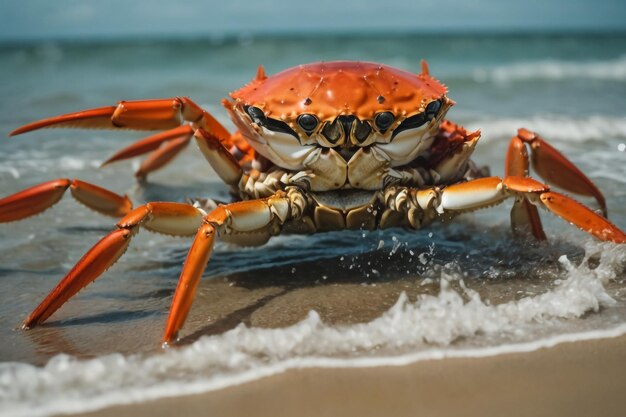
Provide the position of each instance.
(227, 37)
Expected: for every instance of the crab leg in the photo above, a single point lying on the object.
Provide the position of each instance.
(220, 159)
(169, 218)
(160, 114)
(37, 199)
(195, 264)
(524, 215)
(484, 192)
(246, 223)
(161, 157)
(554, 167)
(151, 143)
(525, 218)
(171, 143)
(164, 147)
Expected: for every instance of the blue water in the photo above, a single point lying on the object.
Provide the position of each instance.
(571, 89)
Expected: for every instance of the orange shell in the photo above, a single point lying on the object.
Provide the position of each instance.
(330, 89)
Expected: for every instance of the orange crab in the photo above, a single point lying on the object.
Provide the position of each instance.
(323, 146)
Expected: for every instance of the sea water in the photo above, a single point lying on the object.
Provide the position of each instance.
(351, 298)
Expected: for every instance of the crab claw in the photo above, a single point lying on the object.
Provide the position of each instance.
(556, 169)
(99, 258)
(37, 199)
(194, 266)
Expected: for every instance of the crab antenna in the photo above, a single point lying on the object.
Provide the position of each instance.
(260, 73)
(425, 70)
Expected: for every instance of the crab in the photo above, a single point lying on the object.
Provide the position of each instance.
(318, 147)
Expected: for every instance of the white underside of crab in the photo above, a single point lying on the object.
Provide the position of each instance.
(367, 167)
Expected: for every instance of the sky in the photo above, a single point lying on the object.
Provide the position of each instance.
(75, 19)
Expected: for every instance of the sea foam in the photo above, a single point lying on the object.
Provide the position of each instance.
(554, 127)
(554, 70)
(429, 327)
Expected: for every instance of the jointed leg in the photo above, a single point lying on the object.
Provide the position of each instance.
(220, 159)
(246, 223)
(550, 164)
(151, 143)
(161, 157)
(405, 206)
(37, 199)
(484, 192)
(169, 218)
(525, 218)
(180, 116)
(166, 145)
(159, 114)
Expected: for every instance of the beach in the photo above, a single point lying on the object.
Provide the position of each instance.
(570, 379)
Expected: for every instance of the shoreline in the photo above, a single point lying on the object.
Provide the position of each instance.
(578, 378)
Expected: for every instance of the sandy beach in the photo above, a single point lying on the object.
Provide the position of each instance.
(571, 379)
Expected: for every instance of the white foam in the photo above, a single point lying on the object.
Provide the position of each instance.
(12, 171)
(21, 163)
(408, 332)
(558, 128)
(569, 135)
(554, 70)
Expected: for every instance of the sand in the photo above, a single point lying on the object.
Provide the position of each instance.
(571, 379)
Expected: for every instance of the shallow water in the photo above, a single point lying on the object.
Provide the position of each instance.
(341, 298)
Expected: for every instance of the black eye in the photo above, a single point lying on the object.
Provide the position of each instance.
(307, 122)
(384, 120)
(256, 114)
(432, 109)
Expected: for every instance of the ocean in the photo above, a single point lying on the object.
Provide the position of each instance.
(339, 299)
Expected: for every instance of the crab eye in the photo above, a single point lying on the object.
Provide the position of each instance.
(256, 114)
(384, 120)
(307, 122)
(432, 109)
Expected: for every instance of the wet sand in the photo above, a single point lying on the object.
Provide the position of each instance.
(571, 379)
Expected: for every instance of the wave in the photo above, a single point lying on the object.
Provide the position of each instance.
(410, 331)
(559, 128)
(553, 70)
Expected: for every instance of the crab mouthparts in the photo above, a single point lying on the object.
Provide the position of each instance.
(347, 152)
(350, 127)
(346, 123)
